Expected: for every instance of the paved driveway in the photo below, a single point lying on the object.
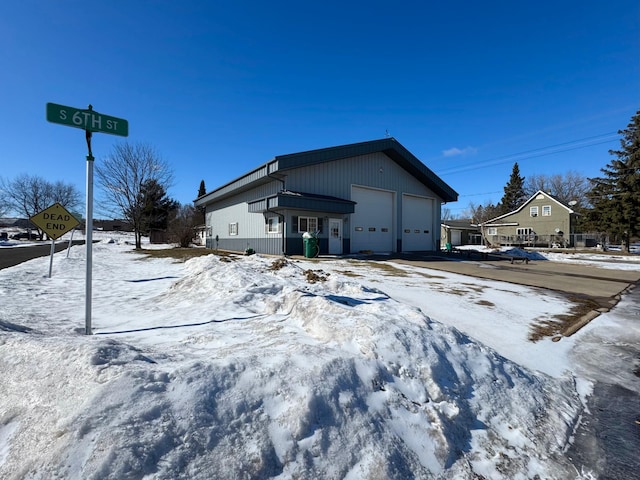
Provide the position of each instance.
(599, 284)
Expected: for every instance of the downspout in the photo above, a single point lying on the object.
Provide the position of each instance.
(281, 216)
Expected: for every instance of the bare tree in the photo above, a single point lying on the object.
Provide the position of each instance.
(4, 203)
(122, 177)
(481, 213)
(181, 226)
(27, 195)
(446, 214)
(568, 187)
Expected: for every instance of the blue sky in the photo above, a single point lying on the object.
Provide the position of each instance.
(220, 87)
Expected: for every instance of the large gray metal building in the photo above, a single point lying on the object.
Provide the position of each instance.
(372, 196)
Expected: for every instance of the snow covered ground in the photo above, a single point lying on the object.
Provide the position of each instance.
(253, 368)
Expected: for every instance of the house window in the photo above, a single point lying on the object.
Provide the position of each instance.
(233, 228)
(307, 224)
(492, 231)
(546, 210)
(525, 231)
(273, 225)
(533, 211)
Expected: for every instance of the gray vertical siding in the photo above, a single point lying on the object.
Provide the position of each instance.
(329, 178)
(374, 170)
(333, 178)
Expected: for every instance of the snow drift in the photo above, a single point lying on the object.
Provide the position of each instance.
(245, 369)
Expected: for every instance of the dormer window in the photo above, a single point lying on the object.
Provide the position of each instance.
(533, 211)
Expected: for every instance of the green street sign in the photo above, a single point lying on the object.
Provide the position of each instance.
(87, 120)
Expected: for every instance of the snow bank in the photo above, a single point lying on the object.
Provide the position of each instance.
(240, 369)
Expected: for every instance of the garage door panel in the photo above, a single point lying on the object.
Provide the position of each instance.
(372, 221)
(417, 223)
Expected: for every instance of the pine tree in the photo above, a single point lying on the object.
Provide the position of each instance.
(156, 206)
(616, 195)
(203, 210)
(514, 194)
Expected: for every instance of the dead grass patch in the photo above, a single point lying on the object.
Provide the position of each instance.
(179, 254)
(485, 303)
(390, 271)
(314, 276)
(385, 269)
(278, 264)
(350, 273)
(555, 326)
(456, 291)
(474, 287)
(427, 275)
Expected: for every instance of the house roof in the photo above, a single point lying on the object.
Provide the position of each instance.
(459, 224)
(278, 167)
(524, 205)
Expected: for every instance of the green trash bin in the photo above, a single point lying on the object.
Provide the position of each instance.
(310, 245)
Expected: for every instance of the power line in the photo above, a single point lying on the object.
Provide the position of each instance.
(478, 194)
(528, 154)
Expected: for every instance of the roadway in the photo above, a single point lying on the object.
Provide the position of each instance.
(11, 256)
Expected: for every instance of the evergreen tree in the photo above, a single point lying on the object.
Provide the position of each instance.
(156, 206)
(616, 195)
(514, 194)
(203, 211)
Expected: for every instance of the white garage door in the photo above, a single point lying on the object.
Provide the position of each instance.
(417, 223)
(372, 221)
(456, 237)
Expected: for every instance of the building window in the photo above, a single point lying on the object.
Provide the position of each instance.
(233, 228)
(533, 211)
(307, 224)
(492, 231)
(525, 231)
(273, 225)
(546, 211)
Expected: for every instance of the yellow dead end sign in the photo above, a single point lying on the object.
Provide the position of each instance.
(55, 221)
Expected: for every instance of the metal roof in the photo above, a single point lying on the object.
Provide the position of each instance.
(281, 163)
(302, 201)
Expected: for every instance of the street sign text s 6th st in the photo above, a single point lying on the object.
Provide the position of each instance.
(87, 120)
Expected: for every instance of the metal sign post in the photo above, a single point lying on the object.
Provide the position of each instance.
(53, 251)
(90, 122)
(89, 240)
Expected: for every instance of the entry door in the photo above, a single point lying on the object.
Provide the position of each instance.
(335, 236)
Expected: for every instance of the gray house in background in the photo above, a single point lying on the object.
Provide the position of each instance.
(541, 221)
(459, 232)
(372, 196)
